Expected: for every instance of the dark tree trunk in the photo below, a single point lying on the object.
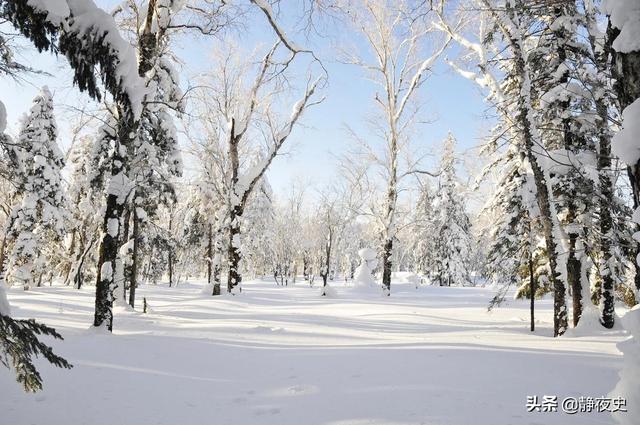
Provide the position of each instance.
(305, 267)
(234, 278)
(233, 254)
(170, 268)
(3, 248)
(134, 260)
(209, 254)
(606, 224)
(217, 269)
(605, 183)
(386, 264)
(170, 254)
(327, 261)
(573, 280)
(123, 240)
(532, 290)
(78, 276)
(111, 234)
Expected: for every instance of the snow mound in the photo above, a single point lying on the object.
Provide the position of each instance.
(589, 324)
(628, 385)
(363, 276)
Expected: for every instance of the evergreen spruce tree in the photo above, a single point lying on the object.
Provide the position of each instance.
(42, 208)
(423, 241)
(19, 342)
(452, 235)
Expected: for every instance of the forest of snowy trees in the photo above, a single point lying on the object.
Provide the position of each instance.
(166, 179)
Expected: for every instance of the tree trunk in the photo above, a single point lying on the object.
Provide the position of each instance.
(217, 267)
(123, 240)
(605, 184)
(3, 248)
(209, 255)
(234, 278)
(235, 214)
(78, 276)
(532, 290)
(560, 321)
(573, 280)
(570, 141)
(386, 263)
(134, 260)
(327, 262)
(606, 222)
(170, 268)
(111, 233)
(72, 248)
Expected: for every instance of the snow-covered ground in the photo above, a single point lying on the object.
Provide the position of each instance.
(284, 355)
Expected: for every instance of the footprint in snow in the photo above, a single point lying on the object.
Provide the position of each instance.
(266, 410)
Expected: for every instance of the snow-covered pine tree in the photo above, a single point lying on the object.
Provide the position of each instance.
(560, 64)
(153, 158)
(511, 219)
(502, 48)
(41, 210)
(19, 342)
(452, 230)
(256, 225)
(90, 40)
(513, 234)
(422, 230)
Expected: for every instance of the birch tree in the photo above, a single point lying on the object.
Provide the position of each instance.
(246, 111)
(402, 47)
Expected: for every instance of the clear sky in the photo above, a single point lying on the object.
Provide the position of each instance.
(451, 103)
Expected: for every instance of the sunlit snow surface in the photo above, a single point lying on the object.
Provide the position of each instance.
(285, 355)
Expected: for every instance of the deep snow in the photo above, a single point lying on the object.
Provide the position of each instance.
(285, 355)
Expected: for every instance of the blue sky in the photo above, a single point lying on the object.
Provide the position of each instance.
(451, 103)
